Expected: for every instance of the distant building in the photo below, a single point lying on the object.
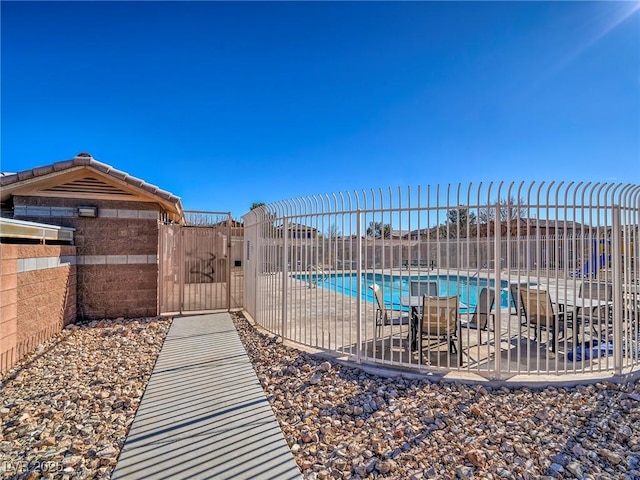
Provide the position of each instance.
(295, 230)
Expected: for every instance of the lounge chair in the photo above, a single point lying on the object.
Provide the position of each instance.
(539, 313)
(440, 321)
(385, 316)
(483, 311)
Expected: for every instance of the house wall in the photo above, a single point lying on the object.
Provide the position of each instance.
(38, 290)
(117, 252)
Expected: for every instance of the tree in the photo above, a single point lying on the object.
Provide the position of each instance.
(510, 209)
(332, 231)
(460, 223)
(379, 229)
(268, 225)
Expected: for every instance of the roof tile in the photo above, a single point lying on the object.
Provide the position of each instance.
(87, 160)
(8, 179)
(118, 174)
(24, 175)
(63, 165)
(45, 170)
(82, 161)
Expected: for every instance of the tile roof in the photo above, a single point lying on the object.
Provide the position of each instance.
(86, 160)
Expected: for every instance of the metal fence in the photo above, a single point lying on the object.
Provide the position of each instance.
(543, 252)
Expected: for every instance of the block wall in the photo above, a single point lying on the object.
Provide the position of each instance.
(38, 296)
(117, 252)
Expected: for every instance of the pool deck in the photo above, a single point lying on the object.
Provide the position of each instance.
(204, 413)
(329, 321)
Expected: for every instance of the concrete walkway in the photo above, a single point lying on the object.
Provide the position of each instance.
(204, 413)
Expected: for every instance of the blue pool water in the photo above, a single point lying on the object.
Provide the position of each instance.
(394, 286)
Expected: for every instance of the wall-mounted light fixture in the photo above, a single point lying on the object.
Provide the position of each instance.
(87, 211)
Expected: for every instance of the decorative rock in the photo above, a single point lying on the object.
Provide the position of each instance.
(611, 457)
(348, 424)
(464, 472)
(386, 466)
(575, 468)
(325, 366)
(71, 461)
(431, 430)
(555, 469)
(477, 458)
(67, 407)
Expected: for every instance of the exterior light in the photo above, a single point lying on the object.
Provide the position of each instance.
(87, 211)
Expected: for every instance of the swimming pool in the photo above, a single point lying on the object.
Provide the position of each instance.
(396, 286)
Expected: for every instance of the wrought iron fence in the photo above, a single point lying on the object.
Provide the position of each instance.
(540, 252)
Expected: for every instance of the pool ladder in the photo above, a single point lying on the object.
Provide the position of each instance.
(321, 277)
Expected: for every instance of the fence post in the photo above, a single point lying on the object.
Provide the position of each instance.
(181, 269)
(228, 258)
(285, 272)
(359, 287)
(497, 268)
(618, 313)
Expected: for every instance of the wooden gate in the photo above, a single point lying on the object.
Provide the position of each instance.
(200, 264)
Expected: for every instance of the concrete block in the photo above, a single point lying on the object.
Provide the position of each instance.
(122, 213)
(94, 260)
(116, 259)
(30, 264)
(108, 213)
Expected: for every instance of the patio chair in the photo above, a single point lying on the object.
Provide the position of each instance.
(418, 288)
(440, 321)
(482, 313)
(599, 315)
(384, 315)
(423, 287)
(517, 298)
(539, 313)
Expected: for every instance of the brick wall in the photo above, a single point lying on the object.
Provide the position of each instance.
(117, 265)
(38, 290)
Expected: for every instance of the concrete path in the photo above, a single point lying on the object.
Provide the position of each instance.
(204, 413)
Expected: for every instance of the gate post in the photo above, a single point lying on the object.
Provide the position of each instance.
(618, 310)
(497, 269)
(285, 272)
(359, 288)
(181, 268)
(161, 268)
(228, 262)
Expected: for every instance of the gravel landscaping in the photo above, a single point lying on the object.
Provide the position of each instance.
(342, 422)
(66, 409)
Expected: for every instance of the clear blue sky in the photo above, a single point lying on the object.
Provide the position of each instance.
(226, 104)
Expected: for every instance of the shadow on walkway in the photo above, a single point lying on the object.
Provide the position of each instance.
(204, 413)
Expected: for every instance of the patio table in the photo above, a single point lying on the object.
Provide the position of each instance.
(415, 302)
(571, 305)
